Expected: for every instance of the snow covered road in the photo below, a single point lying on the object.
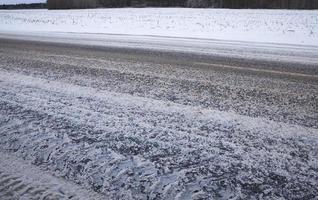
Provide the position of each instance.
(145, 123)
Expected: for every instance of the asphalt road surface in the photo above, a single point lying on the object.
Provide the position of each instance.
(90, 122)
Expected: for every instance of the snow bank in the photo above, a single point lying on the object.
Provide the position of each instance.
(270, 26)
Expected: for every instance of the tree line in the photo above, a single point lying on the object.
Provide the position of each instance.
(24, 6)
(276, 4)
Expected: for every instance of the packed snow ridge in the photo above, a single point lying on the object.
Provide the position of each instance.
(270, 26)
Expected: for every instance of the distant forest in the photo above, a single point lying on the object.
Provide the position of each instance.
(81, 4)
(24, 6)
(275, 4)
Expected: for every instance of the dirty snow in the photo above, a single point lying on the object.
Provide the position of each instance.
(270, 26)
(95, 139)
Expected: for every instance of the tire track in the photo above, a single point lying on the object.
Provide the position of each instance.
(20, 180)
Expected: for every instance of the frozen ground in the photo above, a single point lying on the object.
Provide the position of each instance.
(270, 26)
(141, 124)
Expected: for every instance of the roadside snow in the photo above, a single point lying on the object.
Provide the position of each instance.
(269, 26)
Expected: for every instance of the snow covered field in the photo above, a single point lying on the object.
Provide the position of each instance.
(270, 26)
